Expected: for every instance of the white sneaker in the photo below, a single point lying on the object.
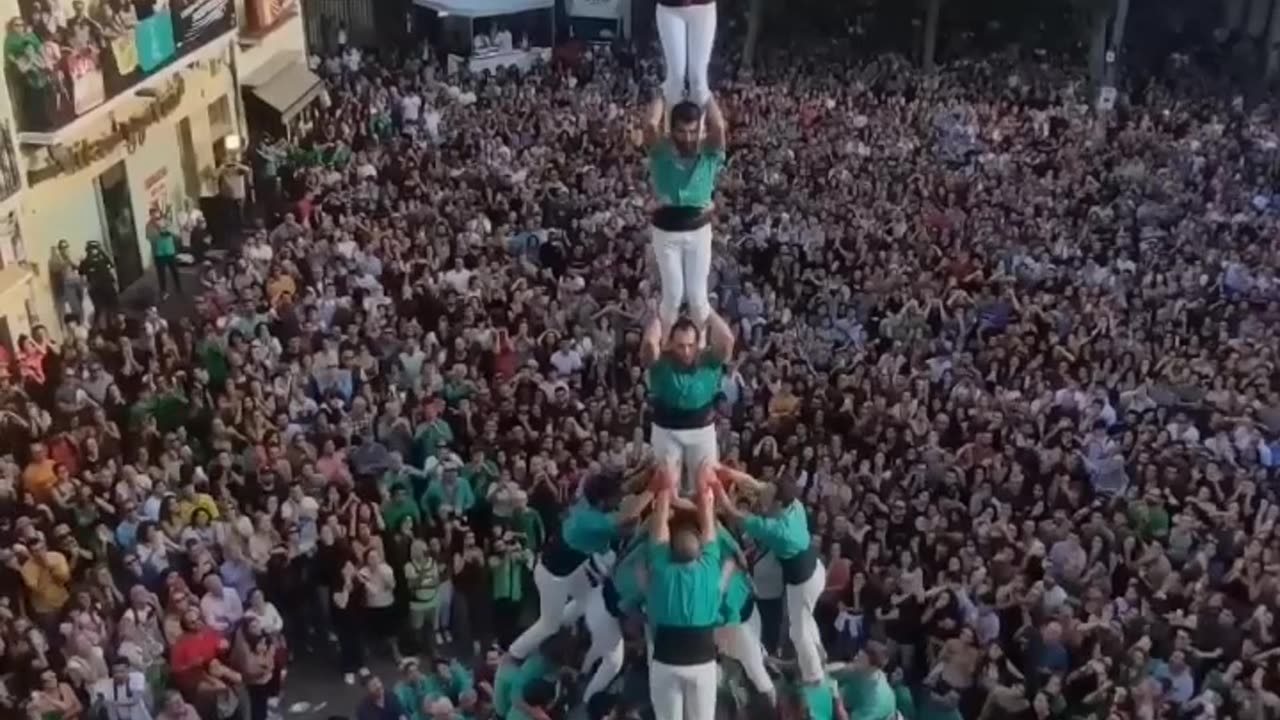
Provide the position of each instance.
(349, 678)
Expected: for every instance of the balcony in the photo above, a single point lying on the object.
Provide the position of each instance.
(63, 71)
(10, 174)
(263, 17)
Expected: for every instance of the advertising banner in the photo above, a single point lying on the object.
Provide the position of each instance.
(124, 48)
(155, 41)
(196, 22)
(598, 9)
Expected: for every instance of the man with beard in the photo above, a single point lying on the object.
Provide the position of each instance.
(684, 386)
(684, 167)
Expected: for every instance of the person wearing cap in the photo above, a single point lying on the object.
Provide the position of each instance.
(684, 387)
(684, 605)
(591, 527)
(784, 532)
(100, 274)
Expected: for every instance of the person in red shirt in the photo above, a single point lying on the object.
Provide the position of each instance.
(196, 661)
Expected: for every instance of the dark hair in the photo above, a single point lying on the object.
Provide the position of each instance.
(540, 693)
(685, 112)
(601, 489)
(682, 324)
(788, 492)
(601, 705)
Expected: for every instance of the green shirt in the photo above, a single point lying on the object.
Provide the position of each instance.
(684, 594)
(681, 390)
(511, 680)
(904, 702)
(163, 243)
(868, 695)
(684, 182)
(412, 696)
(431, 437)
(529, 523)
(736, 596)
(393, 513)
(786, 535)
(820, 700)
(626, 577)
(739, 590)
(587, 530)
(507, 573)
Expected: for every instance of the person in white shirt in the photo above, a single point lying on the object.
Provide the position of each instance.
(379, 583)
(220, 607)
(458, 278)
(566, 359)
(410, 111)
(265, 613)
(123, 695)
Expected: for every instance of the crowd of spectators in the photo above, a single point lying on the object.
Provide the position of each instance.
(1028, 386)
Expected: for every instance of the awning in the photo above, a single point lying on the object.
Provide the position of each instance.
(285, 84)
(484, 8)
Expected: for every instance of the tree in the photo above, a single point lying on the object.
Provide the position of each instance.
(755, 21)
(932, 14)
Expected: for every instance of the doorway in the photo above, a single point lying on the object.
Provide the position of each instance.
(122, 230)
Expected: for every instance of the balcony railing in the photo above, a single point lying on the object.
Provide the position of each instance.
(60, 69)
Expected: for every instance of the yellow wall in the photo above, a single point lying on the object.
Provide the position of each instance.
(16, 284)
(67, 207)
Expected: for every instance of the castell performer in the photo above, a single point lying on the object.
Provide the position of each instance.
(620, 594)
(684, 167)
(738, 636)
(784, 531)
(684, 383)
(592, 525)
(684, 605)
(687, 29)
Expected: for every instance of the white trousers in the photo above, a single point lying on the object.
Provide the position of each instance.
(683, 692)
(742, 643)
(687, 35)
(689, 448)
(684, 262)
(601, 565)
(554, 594)
(606, 644)
(802, 628)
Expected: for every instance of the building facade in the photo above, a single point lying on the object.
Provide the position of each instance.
(113, 108)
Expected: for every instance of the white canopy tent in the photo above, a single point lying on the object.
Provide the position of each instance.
(480, 9)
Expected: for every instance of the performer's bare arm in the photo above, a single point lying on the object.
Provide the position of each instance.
(719, 337)
(651, 343)
(717, 127)
(660, 520)
(654, 119)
